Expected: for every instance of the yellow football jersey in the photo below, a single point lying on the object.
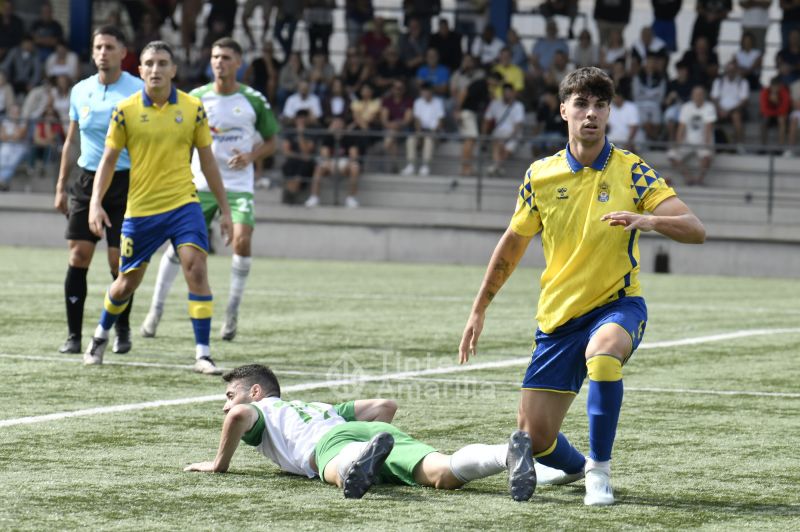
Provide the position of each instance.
(588, 262)
(160, 142)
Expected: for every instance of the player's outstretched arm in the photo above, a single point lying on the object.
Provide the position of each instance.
(208, 165)
(239, 420)
(375, 410)
(672, 218)
(506, 256)
(98, 219)
(67, 162)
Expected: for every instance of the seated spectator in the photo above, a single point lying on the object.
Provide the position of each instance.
(7, 98)
(291, 75)
(12, 29)
(679, 91)
(448, 44)
(755, 21)
(623, 81)
(62, 61)
(148, 31)
(647, 44)
(289, 14)
(321, 74)
(13, 144)
(702, 62)
(60, 98)
(503, 120)
(471, 105)
(649, 91)
(695, 136)
(46, 31)
(262, 73)
(566, 8)
(518, 55)
(366, 116)
(790, 54)
(748, 59)
(730, 94)
(487, 48)
(464, 76)
(623, 121)
(338, 155)
(612, 51)
(558, 70)
(551, 129)
(470, 17)
(511, 73)
(355, 71)
(375, 41)
(299, 151)
(428, 113)
(412, 46)
(389, 69)
(336, 104)
(586, 52)
(22, 66)
(48, 138)
(356, 15)
(319, 25)
(437, 75)
(545, 49)
(710, 14)
(794, 124)
(397, 119)
(37, 100)
(775, 104)
(303, 99)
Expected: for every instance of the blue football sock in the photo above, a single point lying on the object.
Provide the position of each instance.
(603, 404)
(562, 455)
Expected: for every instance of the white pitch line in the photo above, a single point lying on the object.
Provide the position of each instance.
(371, 378)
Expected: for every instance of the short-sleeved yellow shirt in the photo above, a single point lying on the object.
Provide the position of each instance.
(588, 262)
(160, 142)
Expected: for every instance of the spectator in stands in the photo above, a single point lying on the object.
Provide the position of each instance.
(299, 151)
(225, 12)
(375, 41)
(679, 91)
(356, 14)
(336, 104)
(551, 129)
(623, 121)
(22, 66)
(149, 31)
(790, 54)
(695, 136)
(289, 14)
(412, 46)
(464, 76)
(12, 29)
(389, 69)
(623, 81)
(611, 15)
(503, 119)
(586, 52)
(37, 100)
(470, 107)
(790, 20)
(60, 98)
(710, 14)
(366, 116)
(567, 8)
(448, 44)
(558, 70)
(748, 59)
(13, 144)
(428, 113)
(702, 63)
(470, 19)
(794, 124)
(647, 43)
(397, 119)
(355, 71)
(303, 99)
(755, 21)
(775, 104)
(46, 31)
(48, 138)
(289, 78)
(321, 74)
(338, 154)
(487, 48)
(437, 75)
(649, 91)
(6, 94)
(423, 11)
(511, 73)
(545, 48)
(319, 23)
(263, 72)
(730, 94)
(62, 61)
(612, 50)
(664, 13)
(247, 15)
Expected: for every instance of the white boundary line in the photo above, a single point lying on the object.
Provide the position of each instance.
(406, 375)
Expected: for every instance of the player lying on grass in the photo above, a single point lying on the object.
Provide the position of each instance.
(352, 445)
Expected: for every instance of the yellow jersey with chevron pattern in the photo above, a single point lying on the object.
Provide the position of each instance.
(160, 142)
(588, 262)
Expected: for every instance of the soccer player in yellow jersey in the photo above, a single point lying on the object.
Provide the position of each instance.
(159, 126)
(590, 201)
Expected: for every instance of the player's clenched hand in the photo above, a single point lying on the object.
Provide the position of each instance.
(98, 219)
(60, 202)
(226, 227)
(630, 220)
(469, 340)
(202, 467)
(239, 160)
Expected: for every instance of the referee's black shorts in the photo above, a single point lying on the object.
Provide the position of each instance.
(114, 204)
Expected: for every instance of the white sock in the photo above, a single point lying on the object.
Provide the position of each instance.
(240, 269)
(202, 351)
(601, 466)
(99, 332)
(348, 455)
(478, 461)
(168, 269)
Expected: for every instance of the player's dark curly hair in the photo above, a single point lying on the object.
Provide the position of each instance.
(587, 81)
(108, 29)
(255, 374)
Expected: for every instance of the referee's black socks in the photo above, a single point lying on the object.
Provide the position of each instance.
(75, 298)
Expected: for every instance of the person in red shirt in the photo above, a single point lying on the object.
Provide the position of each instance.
(775, 107)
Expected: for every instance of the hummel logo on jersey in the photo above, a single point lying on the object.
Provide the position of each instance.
(562, 193)
(144, 118)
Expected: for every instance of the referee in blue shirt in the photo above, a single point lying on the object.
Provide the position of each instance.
(90, 106)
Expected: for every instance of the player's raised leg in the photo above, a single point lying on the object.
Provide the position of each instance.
(168, 269)
(201, 305)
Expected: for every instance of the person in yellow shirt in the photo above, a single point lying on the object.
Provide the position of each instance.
(589, 201)
(512, 74)
(159, 126)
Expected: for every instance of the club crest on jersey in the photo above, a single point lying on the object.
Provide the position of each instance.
(179, 117)
(85, 111)
(602, 194)
(562, 193)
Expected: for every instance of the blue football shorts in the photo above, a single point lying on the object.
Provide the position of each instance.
(142, 236)
(558, 361)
